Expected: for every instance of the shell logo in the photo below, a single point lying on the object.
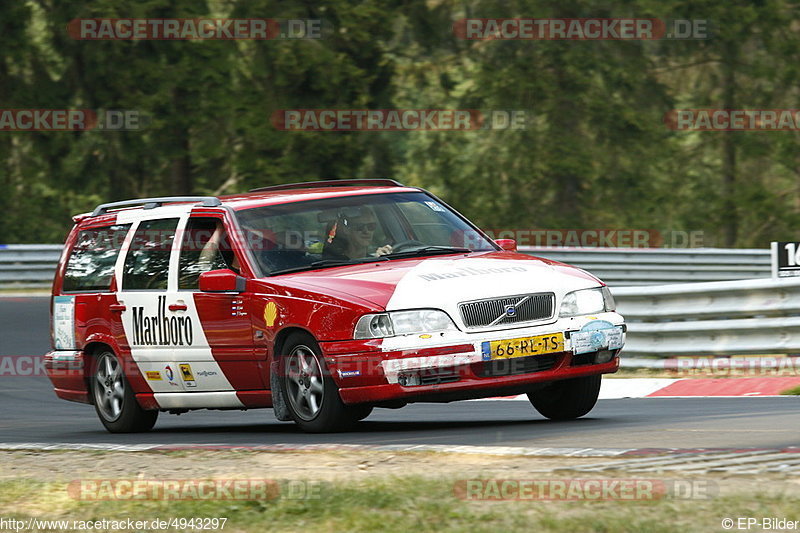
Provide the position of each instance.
(270, 314)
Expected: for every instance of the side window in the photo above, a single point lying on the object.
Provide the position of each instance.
(91, 262)
(147, 262)
(205, 247)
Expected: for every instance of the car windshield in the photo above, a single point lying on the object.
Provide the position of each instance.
(355, 229)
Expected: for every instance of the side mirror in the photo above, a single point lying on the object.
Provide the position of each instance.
(221, 281)
(509, 245)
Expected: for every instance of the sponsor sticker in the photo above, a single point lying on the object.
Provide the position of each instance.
(470, 271)
(153, 375)
(270, 314)
(161, 329)
(596, 335)
(187, 375)
(64, 322)
(170, 375)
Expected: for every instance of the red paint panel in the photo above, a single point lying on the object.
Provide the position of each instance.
(766, 386)
(147, 401)
(73, 395)
(473, 385)
(255, 398)
(228, 328)
(244, 375)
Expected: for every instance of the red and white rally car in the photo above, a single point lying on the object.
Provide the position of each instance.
(321, 300)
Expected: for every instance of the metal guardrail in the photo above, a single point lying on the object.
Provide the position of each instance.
(746, 316)
(28, 266)
(621, 267)
(759, 316)
(32, 265)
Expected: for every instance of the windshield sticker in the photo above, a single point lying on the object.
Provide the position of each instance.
(435, 207)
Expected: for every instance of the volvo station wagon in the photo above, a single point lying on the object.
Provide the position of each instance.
(322, 301)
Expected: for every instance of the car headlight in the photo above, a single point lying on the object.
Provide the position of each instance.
(402, 323)
(587, 301)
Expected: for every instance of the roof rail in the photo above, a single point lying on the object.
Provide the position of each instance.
(373, 182)
(152, 203)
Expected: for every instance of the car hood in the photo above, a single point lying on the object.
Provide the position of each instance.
(442, 282)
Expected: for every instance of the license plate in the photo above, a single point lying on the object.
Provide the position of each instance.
(523, 346)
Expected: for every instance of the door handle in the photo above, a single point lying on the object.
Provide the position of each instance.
(117, 308)
(178, 307)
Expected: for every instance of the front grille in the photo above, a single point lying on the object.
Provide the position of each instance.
(433, 377)
(515, 365)
(428, 376)
(508, 310)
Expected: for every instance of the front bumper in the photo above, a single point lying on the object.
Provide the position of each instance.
(408, 369)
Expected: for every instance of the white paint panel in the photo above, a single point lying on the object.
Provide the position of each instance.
(443, 284)
(199, 400)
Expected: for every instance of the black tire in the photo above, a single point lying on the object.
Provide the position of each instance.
(114, 400)
(361, 411)
(310, 393)
(567, 399)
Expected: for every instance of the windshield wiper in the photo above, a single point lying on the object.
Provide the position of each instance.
(430, 250)
(325, 263)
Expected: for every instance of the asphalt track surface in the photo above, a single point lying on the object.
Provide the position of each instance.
(32, 413)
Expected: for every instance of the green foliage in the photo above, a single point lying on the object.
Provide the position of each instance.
(595, 152)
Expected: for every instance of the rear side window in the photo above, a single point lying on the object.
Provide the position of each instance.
(91, 263)
(147, 262)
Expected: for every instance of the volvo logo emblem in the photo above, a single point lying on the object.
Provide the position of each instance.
(511, 311)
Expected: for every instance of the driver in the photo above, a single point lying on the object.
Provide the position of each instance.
(351, 237)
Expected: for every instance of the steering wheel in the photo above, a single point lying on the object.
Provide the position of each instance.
(407, 245)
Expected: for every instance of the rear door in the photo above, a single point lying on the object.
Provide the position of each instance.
(152, 326)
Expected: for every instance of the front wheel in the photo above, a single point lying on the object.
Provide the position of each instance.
(567, 399)
(114, 399)
(311, 395)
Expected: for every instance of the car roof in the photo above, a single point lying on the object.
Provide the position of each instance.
(274, 195)
(267, 197)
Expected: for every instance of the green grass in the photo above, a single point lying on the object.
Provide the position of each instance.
(403, 504)
(794, 391)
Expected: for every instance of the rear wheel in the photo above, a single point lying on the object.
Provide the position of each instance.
(310, 393)
(114, 399)
(567, 399)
